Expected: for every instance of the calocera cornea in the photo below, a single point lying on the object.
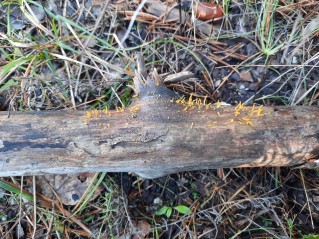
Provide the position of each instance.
(153, 97)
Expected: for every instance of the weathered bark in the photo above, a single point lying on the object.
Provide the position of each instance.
(158, 136)
(155, 142)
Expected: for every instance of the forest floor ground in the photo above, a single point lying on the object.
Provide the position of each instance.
(75, 54)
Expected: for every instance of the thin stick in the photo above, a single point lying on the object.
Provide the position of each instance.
(127, 33)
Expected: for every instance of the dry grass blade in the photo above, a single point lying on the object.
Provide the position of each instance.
(308, 205)
(48, 203)
(141, 16)
(27, 11)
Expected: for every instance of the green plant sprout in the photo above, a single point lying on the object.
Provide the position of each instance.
(166, 210)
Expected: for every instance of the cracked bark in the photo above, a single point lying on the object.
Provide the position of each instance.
(159, 138)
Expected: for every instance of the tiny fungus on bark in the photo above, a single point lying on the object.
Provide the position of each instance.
(204, 11)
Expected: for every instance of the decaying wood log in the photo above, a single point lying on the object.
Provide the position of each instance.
(158, 135)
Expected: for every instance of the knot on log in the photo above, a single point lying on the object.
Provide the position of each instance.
(151, 93)
(147, 88)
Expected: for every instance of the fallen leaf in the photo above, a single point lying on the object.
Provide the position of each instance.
(246, 76)
(143, 228)
(68, 187)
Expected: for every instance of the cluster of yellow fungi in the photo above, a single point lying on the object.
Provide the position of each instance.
(95, 114)
(241, 113)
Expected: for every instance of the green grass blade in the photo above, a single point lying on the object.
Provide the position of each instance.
(12, 66)
(7, 85)
(12, 189)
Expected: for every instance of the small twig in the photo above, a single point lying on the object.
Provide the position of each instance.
(304, 187)
(127, 33)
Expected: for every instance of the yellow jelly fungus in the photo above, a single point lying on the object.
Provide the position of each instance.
(205, 100)
(252, 110)
(190, 100)
(239, 106)
(198, 102)
(247, 121)
(119, 109)
(260, 111)
(134, 109)
(189, 105)
(236, 113)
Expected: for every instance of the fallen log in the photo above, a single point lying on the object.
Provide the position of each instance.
(158, 135)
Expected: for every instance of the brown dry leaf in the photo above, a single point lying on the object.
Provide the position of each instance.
(143, 228)
(69, 187)
(246, 76)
